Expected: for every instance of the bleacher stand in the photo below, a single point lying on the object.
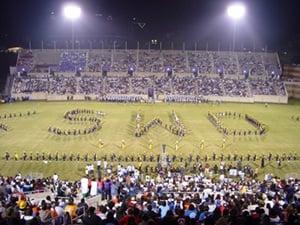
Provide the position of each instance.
(153, 64)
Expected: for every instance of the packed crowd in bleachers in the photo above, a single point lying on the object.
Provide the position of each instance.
(99, 60)
(267, 87)
(25, 61)
(235, 196)
(117, 85)
(62, 85)
(184, 85)
(206, 62)
(72, 61)
(235, 88)
(199, 73)
(140, 85)
(251, 63)
(163, 85)
(90, 85)
(176, 61)
(271, 66)
(123, 60)
(225, 62)
(201, 61)
(150, 61)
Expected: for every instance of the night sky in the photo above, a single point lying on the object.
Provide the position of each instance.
(273, 22)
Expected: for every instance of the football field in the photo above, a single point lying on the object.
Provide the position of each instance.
(31, 134)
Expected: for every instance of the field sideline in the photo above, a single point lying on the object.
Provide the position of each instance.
(31, 133)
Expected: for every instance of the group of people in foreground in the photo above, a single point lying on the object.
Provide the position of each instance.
(129, 197)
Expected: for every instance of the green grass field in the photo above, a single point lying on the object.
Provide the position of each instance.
(31, 133)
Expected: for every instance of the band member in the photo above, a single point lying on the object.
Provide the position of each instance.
(7, 156)
(202, 145)
(86, 157)
(176, 146)
(150, 145)
(262, 163)
(24, 156)
(16, 156)
(123, 144)
(222, 157)
(100, 144)
(224, 143)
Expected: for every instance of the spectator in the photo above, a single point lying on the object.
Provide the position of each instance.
(91, 218)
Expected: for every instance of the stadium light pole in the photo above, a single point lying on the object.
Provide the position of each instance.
(72, 12)
(236, 12)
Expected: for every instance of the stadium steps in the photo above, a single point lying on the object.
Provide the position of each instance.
(263, 63)
(197, 88)
(238, 65)
(212, 62)
(278, 61)
(77, 84)
(187, 65)
(171, 86)
(137, 59)
(8, 85)
(104, 85)
(249, 90)
(130, 86)
(87, 58)
(223, 88)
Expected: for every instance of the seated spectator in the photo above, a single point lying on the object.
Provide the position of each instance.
(71, 208)
(91, 218)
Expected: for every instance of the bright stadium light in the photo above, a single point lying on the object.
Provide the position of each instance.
(72, 11)
(236, 11)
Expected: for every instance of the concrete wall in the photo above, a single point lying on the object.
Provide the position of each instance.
(293, 89)
(271, 99)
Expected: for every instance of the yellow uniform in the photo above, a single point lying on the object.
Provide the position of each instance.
(223, 144)
(202, 145)
(101, 144)
(150, 145)
(123, 144)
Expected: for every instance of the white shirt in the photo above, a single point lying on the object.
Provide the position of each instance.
(55, 177)
(59, 210)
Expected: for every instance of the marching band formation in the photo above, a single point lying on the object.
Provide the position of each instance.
(80, 115)
(4, 116)
(176, 127)
(216, 120)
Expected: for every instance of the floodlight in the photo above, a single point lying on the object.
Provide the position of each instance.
(236, 11)
(72, 11)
